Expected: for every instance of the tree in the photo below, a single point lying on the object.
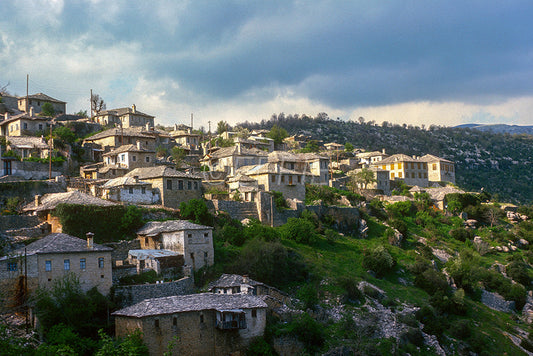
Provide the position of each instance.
(47, 109)
(97, 104)
(277, 134)
(178, 154)
(222, 127)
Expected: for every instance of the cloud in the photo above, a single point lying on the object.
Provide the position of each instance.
(248, 57)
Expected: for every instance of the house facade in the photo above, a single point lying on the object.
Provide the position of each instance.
(193, 241)
(174, 187)
(36, 101)
(199, 324)
(439, 169)
(125, 117)
(55, 256)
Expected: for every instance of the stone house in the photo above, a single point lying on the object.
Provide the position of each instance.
(193, 241)
(411, 170)
(28, 146)
(371, 157)
(124, 117)
(199, 324)
(439, 169)
(45, 205)
(129, 190)
(55, 256)
(155, 260)
(174, 187)
(230, 159)
(273, 177)
(23, 124)
(130, 157)
(36, 101)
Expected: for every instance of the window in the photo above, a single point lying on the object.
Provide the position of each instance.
(100, 262)
(169, 184)
(47, 265)
(254, 313)
(143, 190)
(12, 266)
(180, 185)
(130, 190)
(66, 265)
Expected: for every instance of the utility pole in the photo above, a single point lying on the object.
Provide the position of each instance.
(27, 106)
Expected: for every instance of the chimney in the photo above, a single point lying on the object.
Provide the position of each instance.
(31, 111)
(134, 108)
(90, 239)
(139, 145)
(37, 200)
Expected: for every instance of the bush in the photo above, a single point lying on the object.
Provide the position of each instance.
(299, 230)
(378, 260)
(196, 210)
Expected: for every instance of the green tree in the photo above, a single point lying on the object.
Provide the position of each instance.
(222, 126)
(47, 109)
(178, 154)
(277, 134)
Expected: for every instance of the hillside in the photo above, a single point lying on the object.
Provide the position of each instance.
(499, 163)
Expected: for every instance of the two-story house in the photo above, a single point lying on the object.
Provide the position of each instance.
(198, 324)
(193, 241)
(55, 256)
(124, 117)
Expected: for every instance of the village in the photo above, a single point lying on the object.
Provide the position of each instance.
(129, 160)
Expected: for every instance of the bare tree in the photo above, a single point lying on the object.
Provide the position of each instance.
(97, 104)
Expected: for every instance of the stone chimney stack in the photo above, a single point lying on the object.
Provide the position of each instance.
(90, 240)
(134, 108)
(37, 200)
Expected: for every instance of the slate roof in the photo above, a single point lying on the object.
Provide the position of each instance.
(191, 302)
(41, 96)
(158, 172)
(51, 200)
(127, 148)
(123, 181)
(431, 158)
(60, 243)
(27, 142)
(397, 158)
(231, 280)
(121, 112)
(154, 228)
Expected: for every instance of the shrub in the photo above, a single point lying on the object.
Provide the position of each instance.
(378, 260)
(299, 230)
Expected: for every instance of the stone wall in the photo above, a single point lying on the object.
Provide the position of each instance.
(15, 222)
(129, 295)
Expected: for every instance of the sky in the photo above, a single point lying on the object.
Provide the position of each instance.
(415, 62)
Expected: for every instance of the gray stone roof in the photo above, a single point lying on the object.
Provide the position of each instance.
(191, 302)
(50, 201)
(153, 228)
(60, 243)
(158, 172)
(127, 148)
(232, 280)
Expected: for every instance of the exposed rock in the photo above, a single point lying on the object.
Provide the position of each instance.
(497, 302)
